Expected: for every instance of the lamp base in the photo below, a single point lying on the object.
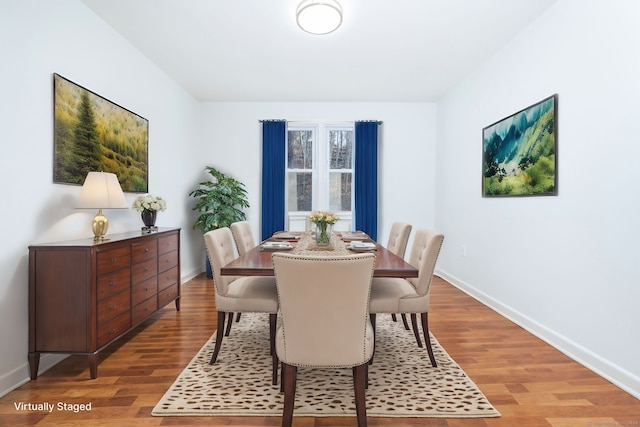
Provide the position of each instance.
(99, 226)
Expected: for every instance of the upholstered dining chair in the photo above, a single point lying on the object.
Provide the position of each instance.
(243, 236)
(398, 238)
(324, 320)
(411, 295)
(239, 294)
(397, 243)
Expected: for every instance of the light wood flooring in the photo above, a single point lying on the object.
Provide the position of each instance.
(529, 382)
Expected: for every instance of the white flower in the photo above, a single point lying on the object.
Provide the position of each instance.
(149, 203)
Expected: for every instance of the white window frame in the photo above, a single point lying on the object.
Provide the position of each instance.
(299, 220)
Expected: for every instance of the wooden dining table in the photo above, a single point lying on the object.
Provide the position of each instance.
(257, 261)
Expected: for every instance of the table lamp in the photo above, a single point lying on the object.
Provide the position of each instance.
(101, 190)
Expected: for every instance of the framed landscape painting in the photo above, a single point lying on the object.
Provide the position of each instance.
(92, 133)
(519, 152)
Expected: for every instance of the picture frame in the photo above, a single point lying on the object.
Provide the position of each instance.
(519, 152)
(92, 133)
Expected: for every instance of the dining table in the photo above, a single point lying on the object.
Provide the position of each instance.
(257, 261)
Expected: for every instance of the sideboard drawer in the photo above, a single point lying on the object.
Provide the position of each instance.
(144, 270)
(144, 251)
(114, 328)
(167, 261)
(144, 290)
(113, 259)
(168, 278)
(113, 306)
(168, 243)
(143, 310)
(113, 283)
(167, 295)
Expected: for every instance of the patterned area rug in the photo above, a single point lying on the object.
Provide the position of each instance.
(402, 382)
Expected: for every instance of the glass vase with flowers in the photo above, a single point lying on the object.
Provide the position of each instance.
(324, 222)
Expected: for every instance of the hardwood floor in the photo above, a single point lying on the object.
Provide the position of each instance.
(528, 381)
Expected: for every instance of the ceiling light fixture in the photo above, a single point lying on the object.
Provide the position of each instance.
(319, 16)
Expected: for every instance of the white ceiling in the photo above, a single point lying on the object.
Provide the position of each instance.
(252, 50)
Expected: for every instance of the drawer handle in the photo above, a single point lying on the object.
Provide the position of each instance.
(169, 260)
(112, 307)
(112, 331)
(146, 269)
(113, 260)
(146, 249)
(112, 283)
(146, 289)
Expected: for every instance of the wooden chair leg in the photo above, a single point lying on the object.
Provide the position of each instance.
(238, 317)
(416, 332)
(272, 348)
(359, 383)
(404, 321)
(372, 319)
(282, 377)
(229, 323)
(366, 384)
(219, 334)
(427, 338)
(290, 374)
(393, 317)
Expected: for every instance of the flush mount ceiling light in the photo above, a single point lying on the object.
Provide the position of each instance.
(319, 16)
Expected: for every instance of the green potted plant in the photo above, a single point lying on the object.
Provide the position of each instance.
(219, 203)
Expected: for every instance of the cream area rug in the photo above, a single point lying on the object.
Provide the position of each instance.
(402, 382)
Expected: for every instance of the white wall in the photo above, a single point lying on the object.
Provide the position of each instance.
(39, 38)
(564, 267)
(406, 150)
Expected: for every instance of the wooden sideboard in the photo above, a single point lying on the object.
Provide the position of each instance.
(83, 295)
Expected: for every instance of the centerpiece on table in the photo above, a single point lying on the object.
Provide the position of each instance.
(148, 206)
(324, 223)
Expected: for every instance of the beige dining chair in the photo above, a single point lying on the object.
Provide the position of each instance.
(397, 243)
(398, 238)
(324, 320)
(243, 236)
(241, 294)
(411, 295)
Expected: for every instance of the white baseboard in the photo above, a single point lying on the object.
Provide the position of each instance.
(19, 376)
(185, 277)
(613, 373)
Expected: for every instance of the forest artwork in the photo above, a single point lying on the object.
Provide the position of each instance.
(519, 152)
(93, 134)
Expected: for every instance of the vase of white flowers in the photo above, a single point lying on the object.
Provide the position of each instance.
(324, 223)
(148, 206)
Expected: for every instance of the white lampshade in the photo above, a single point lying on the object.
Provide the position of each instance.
(319, 16)
(101, 190)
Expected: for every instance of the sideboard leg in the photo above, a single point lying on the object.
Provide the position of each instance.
(34, 364)
(178, 304)
(93, 366)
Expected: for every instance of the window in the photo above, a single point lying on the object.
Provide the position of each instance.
(319, 173)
